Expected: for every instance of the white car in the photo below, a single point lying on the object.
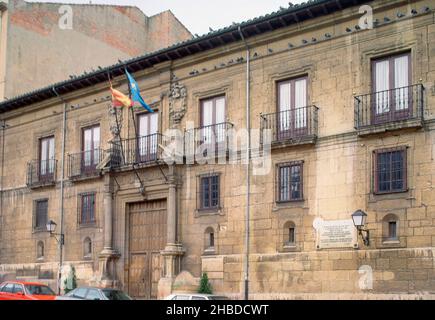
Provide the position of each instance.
(195, 296)
(90, 293)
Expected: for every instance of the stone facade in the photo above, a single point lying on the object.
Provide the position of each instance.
(337, 172)
(45, 43)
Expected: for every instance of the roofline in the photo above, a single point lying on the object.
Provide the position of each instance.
(84, 4)
(250, 28)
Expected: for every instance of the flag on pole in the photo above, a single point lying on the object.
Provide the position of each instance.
(119, 99)
(135, 93)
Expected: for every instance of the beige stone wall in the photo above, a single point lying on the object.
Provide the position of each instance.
(337, 169)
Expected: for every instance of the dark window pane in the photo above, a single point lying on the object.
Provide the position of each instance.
(390, 173)
(215, 191)
(209, 192)
(392, 230)
(397, 171)
(40, 251)
(205, 192)
(284, 184)
(41, 214)
(211, 240)
(296, 182)
(87, 208)
(290, 183)
(291, 235)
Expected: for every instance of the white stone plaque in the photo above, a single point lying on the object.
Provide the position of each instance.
(336, 234)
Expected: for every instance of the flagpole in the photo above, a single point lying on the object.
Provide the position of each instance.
(117, 124)
(132, 112)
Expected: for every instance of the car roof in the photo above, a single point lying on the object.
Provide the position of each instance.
(196, 294)
(96, 288)
(24, 283)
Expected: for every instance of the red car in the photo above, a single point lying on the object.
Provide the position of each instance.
(19, 290)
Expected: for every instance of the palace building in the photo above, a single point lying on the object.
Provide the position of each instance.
(343, 94)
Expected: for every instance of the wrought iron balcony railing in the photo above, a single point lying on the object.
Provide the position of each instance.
(389, 106)
(291, 126)
(41, 173)
(136, 151)
(208, 140)
(85, 164)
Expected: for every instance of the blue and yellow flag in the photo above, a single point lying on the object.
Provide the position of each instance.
(135, 93)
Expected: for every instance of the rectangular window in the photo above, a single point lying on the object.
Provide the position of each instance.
(87, 209)
(291, 235)
(213, 120)
(392, 230)
(91, 146)
(209, 192)
(46, 156)
(41, 215)
(292, 107)
(211, 240)
(147, 144)
(390, 171)
(290, 182)
(391, 81)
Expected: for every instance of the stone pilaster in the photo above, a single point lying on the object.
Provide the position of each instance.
(174, 249)
(108, 256)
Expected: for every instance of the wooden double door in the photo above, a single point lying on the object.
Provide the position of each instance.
(147, 237)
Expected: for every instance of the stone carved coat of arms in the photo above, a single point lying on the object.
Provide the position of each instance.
(115, 118)
(177, 102)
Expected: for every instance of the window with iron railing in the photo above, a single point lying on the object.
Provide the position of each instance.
(390, 170)
(41, 215)
(209, 192)
(90, 156)
(46, 157)
(86, 214)
(85, 164)
(42, 171)
(393, 97)
(290, 182)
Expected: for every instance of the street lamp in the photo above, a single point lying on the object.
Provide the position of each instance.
(359, 220)
(51, 228)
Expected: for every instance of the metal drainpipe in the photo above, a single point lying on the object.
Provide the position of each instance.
(1, 185)
(248, 167)
(62, 181)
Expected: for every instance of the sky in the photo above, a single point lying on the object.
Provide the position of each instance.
(199, 15)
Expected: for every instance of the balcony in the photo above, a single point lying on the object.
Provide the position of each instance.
(292, 127)
(41, 173)
(389, 110)
(144, 151)
(85, 165)
(208, 141)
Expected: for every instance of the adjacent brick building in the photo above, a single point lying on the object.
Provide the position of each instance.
(44, 43)
(350, 112)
